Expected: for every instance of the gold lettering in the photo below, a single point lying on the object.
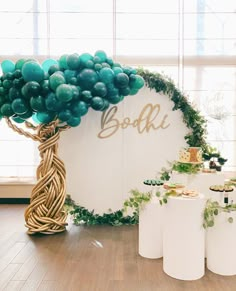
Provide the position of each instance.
(147, 120)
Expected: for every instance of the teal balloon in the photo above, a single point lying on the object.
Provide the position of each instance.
(32, 71)
(87, 78)
(63, 62)
(7, 84)
(98, 67)
(45, 117)
(19, 106)
(1, 116)
(73, 61)
(48, 63)
(80, 108)
(102, 55)
(117, 70)
(17, 119)
(6, 110)
(53, 69)
(75, 92)
(124, 91)
(84, 58)
(65, 115)
(106, 75)
(97, 60)
(74, 121)
(100, 89)
(35, 119)
(97, 103)
(55, 80)
(121, 80)
(133, 91)
(7, 66)
(64, 92)
(137, 82)
(38, 103)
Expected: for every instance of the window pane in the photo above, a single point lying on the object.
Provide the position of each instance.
(209, 6)
(81, 6)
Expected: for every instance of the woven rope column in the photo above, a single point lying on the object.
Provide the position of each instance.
(45, 213)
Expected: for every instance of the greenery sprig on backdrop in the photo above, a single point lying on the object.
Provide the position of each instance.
(196, 137)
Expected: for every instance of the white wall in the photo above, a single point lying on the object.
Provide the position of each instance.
(102, 171)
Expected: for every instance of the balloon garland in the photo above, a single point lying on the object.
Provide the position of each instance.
(52, 97)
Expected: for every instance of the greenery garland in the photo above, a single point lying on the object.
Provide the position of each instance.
(196, 137)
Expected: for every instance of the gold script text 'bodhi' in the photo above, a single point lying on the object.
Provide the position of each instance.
(147, 119)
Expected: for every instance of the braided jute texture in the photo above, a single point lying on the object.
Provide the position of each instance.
(45, 213)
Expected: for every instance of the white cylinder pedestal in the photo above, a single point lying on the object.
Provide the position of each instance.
(184, 238)
(150, 230)
(220, 244)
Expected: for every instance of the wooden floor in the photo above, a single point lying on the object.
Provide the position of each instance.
(99, 258)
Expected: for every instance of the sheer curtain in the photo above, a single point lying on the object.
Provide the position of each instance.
(191, 41)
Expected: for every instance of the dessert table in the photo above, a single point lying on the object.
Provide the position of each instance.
(184, 238)
(201, 183)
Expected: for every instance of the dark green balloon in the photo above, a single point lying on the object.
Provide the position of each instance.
(6, 110)
(101, 54)
(53, 68)
(65, 115)
(14, 93)
(17, 119)
(87, 78)
(74, 121)
(86, 96)
(31, 88)
(27, 114)
(19, 106)
(106, 75)
(52, 103)
(80, 108)
(97, 103)
(121, 80)
(99, 89)
(38, 103)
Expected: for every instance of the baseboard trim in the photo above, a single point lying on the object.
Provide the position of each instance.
(14, 200)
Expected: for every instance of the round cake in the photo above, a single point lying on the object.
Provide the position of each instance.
(190, 155)
(221, 188)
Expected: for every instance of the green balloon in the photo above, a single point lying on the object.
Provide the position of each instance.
(117, 70)
(100, 89)
(114, 99)
(45, 117)
(7, 84)
(101, 54)
(136, 82)
(97, 103)
(106, 105)
(17, 119)
(7, 66)
(68, 74)
(55, 80)
(31, 88)
(32, 71)
(54, 68)
(19, 106)
(6, 110)
(87, 78)
(124, 91)
(121, 80)
(74, 121)
(106, 75)
(38, 103)
(0, 115)
(52, 103)
(86, 96)
(64, 92)
(98, 67)
(27, 114)
(65, 115)
(80, 108)
(133, 91)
